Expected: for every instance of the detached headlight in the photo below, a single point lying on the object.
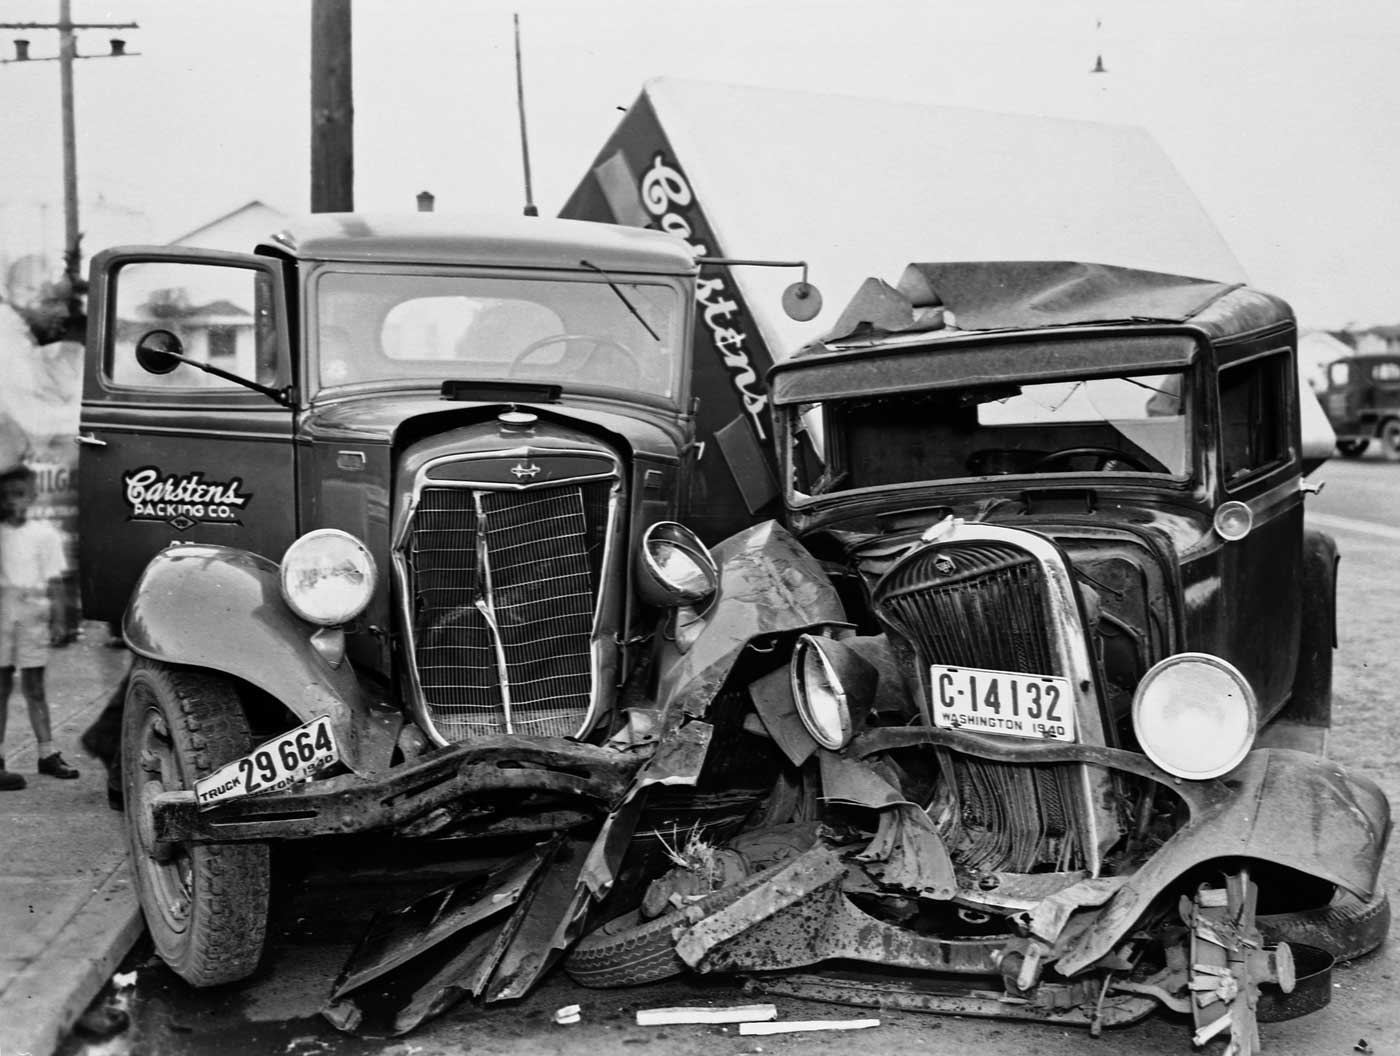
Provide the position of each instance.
(673, 567)
(1195, 715)
(832, 686)
(328, 576)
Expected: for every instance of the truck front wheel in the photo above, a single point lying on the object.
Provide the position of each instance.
(206, 905)
(1390, 439)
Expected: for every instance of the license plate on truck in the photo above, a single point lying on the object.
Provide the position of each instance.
(286, 759)
(1002, 702)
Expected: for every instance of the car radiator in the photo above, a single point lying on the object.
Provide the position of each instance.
(983, 604)
(503, 589)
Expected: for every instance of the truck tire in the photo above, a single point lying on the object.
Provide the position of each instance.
(1390, 439)
(1345, 927)
(206, 905)
(629, 951)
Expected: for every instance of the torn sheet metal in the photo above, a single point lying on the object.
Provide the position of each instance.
(907, 854)
(397, 978)
(772, 699)
(557, 902)
(801, 916)
(1048, 919)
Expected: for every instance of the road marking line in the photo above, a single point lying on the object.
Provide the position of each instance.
(1351, 524)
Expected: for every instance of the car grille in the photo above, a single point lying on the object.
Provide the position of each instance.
(503, 587)
(983, 604)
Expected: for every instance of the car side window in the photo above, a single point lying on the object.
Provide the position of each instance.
(1387, 372)
(1254, 397)
(222, 315)
(1338, 373)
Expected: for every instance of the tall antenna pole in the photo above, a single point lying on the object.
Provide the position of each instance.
(530, 209)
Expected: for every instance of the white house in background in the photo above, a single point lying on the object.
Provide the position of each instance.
(237, 230)
(1317, 348)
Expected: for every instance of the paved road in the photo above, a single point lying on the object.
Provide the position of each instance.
(1360, 506)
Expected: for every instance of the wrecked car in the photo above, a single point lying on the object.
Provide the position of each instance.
(388, 513)
(1060, 755)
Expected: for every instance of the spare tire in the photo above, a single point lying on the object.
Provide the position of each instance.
(629, 951)
(1346, 927)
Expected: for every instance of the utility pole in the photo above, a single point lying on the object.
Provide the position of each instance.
(67, 53)
(332, 109)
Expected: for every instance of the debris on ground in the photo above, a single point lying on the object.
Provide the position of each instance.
(797, 1026)
(666, 1017)
(567, 1015)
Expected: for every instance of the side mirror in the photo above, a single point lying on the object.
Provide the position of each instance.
(158, 351)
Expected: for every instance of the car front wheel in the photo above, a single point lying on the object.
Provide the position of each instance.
(206, 905)
(1390, 440)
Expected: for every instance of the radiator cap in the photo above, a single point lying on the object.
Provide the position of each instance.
(514, 421)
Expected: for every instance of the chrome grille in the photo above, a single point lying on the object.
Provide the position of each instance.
(503, 586)
(981, 603)
(973, 605)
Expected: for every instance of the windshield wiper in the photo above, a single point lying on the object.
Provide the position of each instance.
(623, 298)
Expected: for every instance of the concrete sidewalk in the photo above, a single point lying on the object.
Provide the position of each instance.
(67, 911)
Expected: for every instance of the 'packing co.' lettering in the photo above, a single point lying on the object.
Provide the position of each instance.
(188, 497)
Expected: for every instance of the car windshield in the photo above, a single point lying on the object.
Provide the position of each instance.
(583, 332)
(1124, 425)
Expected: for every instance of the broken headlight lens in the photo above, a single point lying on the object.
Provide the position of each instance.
(328, 576)
(819, 693)
(1195, 715)
(673, 567)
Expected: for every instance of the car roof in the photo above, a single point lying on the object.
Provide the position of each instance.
(487, 240)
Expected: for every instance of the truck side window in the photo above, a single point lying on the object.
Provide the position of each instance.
(221, 314)
(1253, 419)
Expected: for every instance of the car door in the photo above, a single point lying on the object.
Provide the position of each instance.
(179, 453)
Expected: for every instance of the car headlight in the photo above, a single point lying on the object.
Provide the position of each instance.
(328, 576)
(833, 687)
(1195, 715)
(673, 567)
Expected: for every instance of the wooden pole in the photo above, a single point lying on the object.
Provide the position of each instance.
(332, 109)
(72, 250)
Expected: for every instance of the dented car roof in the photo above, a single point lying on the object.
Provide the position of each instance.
(890, 346)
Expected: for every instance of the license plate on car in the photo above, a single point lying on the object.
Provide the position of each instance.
(294, 756)
(1002, 702)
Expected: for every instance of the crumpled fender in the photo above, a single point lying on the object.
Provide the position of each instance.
(768, 584)
(221, 608)
(1282, 806)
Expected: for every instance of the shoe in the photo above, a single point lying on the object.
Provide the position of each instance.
(10, 782)
(54, 766)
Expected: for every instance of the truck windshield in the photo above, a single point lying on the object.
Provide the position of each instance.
(588, 332)
(1134, 424)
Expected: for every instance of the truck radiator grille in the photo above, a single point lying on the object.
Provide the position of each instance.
(503, 586)
(983, 604)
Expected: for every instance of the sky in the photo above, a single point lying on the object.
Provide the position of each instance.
(1281, 115)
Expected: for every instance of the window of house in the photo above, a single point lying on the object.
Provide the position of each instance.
(1254, 401)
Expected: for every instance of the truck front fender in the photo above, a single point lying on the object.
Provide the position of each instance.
(221, 609)
(768, 584)
(1282, 806)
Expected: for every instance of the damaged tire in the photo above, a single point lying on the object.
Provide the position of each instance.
(206, 905)
(1346, 927)
(630, 951)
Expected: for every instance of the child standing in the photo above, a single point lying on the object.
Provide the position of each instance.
(31, 600)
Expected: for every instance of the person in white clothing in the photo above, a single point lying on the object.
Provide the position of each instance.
(31, 599)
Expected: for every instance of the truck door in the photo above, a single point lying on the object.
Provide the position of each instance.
(182, 455)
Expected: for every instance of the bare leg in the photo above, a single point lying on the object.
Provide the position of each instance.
(31, 682)
(7, 685)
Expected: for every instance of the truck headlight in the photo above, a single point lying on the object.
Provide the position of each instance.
(328, 576)
(673, 567)
(833, 688)
(1195, 715)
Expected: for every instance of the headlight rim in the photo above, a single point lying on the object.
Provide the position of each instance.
(652, 583)
(808, 644)
(1251, 701)
(372, 578)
